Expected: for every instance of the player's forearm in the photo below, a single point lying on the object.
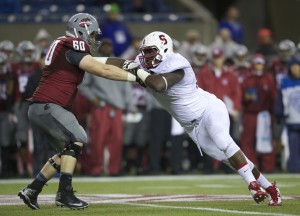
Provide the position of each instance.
(98, 68)
(114, 73)
(118, 62)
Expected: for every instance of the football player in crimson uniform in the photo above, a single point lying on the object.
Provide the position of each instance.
(204, 117)
(65, 64)
(22, 70)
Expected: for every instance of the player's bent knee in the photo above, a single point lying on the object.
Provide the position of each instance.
(73, 149)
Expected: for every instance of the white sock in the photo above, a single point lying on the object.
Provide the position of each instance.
(246, 173)
(263, 181)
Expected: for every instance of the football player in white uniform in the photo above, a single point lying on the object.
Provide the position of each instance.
(171, 80)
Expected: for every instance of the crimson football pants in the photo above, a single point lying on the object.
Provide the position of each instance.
(106, 130)
(265, 162)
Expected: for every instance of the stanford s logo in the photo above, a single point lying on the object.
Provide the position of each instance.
(162, 38)
(85, 22)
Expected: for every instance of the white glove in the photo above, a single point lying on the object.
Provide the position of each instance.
(129, 65)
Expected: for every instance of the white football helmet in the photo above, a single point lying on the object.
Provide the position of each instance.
(286, 49)
(26, 51)
(155, 48)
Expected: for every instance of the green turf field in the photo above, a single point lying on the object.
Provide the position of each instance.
(161, 195)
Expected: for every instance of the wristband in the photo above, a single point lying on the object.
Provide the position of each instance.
(164, 78)
(131, 77)
(142, 74)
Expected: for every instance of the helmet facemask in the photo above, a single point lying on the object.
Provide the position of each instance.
(150, 57)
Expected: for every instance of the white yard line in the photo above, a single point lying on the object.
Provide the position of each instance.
(208, 209)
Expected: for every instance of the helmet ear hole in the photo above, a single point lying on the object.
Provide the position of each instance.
(165, 50)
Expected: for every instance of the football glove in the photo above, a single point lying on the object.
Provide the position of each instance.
(131, 67)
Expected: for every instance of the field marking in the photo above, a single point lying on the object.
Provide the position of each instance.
(208, 209)
(135, 198)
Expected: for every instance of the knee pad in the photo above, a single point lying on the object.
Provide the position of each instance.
(55, 165)
(72, 150)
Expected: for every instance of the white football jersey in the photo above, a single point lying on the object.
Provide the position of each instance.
(185, 101)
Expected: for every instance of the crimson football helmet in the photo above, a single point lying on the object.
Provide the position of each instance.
(155, 48)
(84, 26)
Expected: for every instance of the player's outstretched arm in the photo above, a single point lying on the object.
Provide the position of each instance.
(160, 82)
(91, 65)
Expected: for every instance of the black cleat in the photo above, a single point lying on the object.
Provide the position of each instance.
(29, 196)
(67, 198)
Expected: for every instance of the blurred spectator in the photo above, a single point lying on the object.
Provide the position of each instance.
(22, 70)
(242, 68)
(176, 45)
(286, 50)
(134, 153)
(133, 50)
(42, 42)
(159, 133)
(109, 99)
(199, 57)
(241, 64)
(258, 99)
(42, 149)
(231, 22)
(7, 119)
(224, 41)
(221, 81)
(288, 108)
(115, 29)
(298, 49)
(266, 45)
(8, 48)
(192, 37)
(178, 136)
(279, 69)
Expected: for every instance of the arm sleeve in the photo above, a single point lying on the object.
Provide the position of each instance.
(74, 57)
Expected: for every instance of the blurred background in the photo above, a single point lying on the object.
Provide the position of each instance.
(143, 16)
(255, 44)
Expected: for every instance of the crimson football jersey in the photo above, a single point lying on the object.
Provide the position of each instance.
(60, 78)
(21, 73)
